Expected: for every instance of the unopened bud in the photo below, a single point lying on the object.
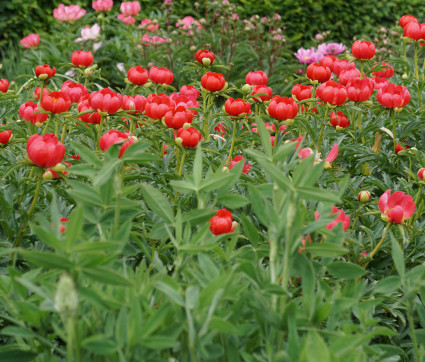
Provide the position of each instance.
(66, 297)
(59, 167)
(246, 89)
(421, 173)
(405, 76)
(206, 62)
(193, 48)
(48, 175)
(187, 125)
(364, 196)
(384, 217)
(43, 76)
(225, 170)
(179, 141)
(126, 81)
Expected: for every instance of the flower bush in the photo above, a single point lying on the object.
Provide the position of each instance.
(175, 192)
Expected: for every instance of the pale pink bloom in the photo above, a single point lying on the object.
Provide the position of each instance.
(276, 16)
(318, 36)
(308, 55)
(102, 5)
(30, 41)
(89, 33)
(126, 19)
(168, 2)
(96, 46)
(235, 16)
(188, 22)
(331, 48)
(70, 73)
(147, 23)
(69, 13)
(130, 7)
(146, 40)
(303, 153)
(120, 66)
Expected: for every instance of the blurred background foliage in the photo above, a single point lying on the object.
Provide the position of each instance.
(302, 18)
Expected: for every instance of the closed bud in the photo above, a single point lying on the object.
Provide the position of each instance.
(364, 197)
(43, 76)
(179, 141)
(66, 297)
(206, 62)
(48, 175)
(246, 89)
(126, 81)
(405, 76)
(384, 218)
(187, 125)
(59, 167)
(421, 173)
(87, 73)
(225, 170)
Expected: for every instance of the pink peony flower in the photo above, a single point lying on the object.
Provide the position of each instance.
(396, 207)
(308, 55)
(30, 41)
(126, 19)
(69, 13)
(149, 25)
(331, 48)
(187, 23)
(89, 33)
(102, 5)
(130, 8)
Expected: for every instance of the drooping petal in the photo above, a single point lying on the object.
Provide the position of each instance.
(333, 153)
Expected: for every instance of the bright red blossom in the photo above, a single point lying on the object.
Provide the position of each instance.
(396, 207)
(393, 96)
(363, 49)
(348, 75)
(359, 90)
(237, 107)
(4, 85)
(385, 73)
(414, 31)
(105, 100)
(236, 160)
(29, 112)
(158, 105)
(177, 117)
(205, 57)
(45, 69)
(112, 137)
(45, 151)
(189, 91)
(84, 105)
(161, 75)
(74, 90)
(328, 61)
(138, 75)
(332, 92)
(189, 137)
(315, 71)
(421, 173)
(339, 121)
(135, 104)
(343, 64)
(256, 78)
(341, 218)
(282, 108)
(81, 58)
(213, 82)
(301, 92)
(5, 137)
(55, 102)
(262, 89)
(222, 222)
(406, 19)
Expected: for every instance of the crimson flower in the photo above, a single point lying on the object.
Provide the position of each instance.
(396, 207)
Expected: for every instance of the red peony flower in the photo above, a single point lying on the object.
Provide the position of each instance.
(397, 207)
(315, 71)
(45, 151)
(112, 137)
(301, 92)
(105, 100)
(188, 138)
(161, 75)
(55, 102)
(363, 49)
(332, 92)
(158, 105)
(136, 104)
(44, 71)
(236, 160)
(341, 218)
(261, 89)
(393, 96)
(177, 117)
(28, 111)
(256, 78)
(138, 75)
(237, 107)
(4, 85)
(359, 90)
(74, 90)
(213, 82)
(222, 222)
(282, 108)
(205, 57)
(81, 58)
(339, 121)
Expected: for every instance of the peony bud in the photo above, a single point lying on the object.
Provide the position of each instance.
(364, 197)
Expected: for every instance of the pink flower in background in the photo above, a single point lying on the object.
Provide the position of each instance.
(331, 48)
(126, 19)
(236, 160)
(235, 16)
(102, 5)
(130, 8)
(149, 25)
(341, 218)
(69, 13)
(30, 41)
(308, 56)
(188, 22)
(146, 40)
(89, 33)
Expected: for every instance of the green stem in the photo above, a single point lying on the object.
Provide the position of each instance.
(416, 61)
(374, 251)
(31, 209)
(99, 132)
(63, 132)
(394, 126)
(289, 222)
(418, 195)
(412, 330)
(322, 130)
(182, 162)
(359, 124)
(361, 68)
(233, 142)
(70, 330)
(52, 115)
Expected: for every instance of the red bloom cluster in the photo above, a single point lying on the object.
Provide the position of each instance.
(112, 137)
(222, 222)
